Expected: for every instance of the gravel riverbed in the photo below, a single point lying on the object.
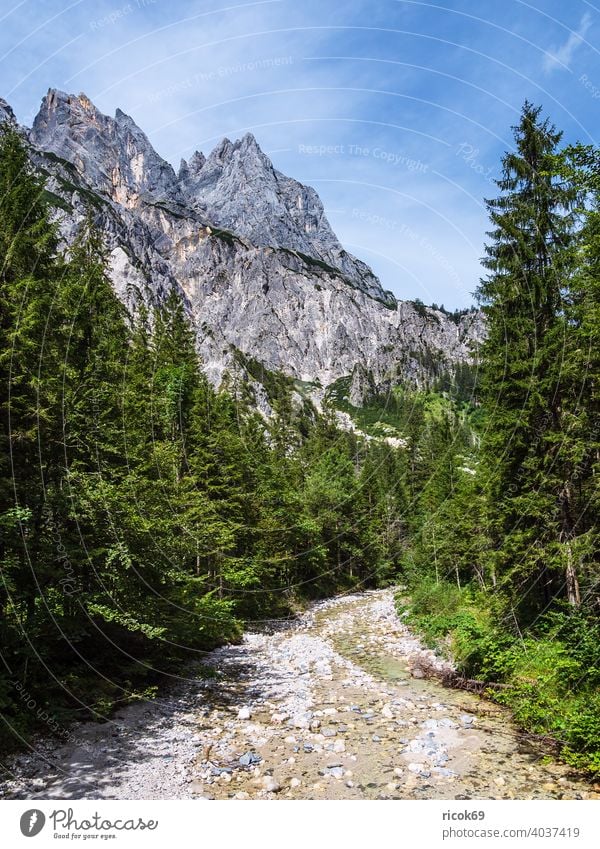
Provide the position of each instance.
(334, 706)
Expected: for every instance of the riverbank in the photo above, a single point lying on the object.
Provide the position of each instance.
(546, 676)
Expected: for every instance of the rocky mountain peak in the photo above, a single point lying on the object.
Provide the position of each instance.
(6, 113)
(238, 188)
(197, 161)
(189, 170)
(278, 288)
(113, 154)
(235, 188)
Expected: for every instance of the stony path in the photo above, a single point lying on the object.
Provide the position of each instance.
(331, 708)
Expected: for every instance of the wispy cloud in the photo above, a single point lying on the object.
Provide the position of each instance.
(561, 57)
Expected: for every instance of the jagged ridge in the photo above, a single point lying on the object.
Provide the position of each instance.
(251, 249)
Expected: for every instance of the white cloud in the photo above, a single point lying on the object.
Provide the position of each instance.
(561, 57)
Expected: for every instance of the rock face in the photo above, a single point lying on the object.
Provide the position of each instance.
(249, 248)
(6, 113)
(112, 155)
(237, 188)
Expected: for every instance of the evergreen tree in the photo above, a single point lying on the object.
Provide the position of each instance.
(530, 259)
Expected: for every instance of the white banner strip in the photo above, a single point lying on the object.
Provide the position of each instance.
(266, 824)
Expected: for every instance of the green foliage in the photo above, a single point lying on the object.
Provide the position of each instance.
(549, 678)
(502, 559)
(145, 516)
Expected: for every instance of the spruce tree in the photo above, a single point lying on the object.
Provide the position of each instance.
(530, 259)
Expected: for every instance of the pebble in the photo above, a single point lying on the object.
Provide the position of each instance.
(279, 718)
(250, 759)
(244, 713)
(419, 769)
(335, 771)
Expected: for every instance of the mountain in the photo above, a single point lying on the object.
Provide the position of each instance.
(238, 188)
(250, 249)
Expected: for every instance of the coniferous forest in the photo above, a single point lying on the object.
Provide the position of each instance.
(146, 517)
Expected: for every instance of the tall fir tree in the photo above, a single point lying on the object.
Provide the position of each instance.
(530, 258)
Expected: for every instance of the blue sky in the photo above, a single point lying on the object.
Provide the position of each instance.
(396, 111)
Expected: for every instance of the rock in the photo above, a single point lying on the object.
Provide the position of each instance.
(241, 794)
(295, 782)
(391, 786)
(467, 719)
(329, 732)
(270, 784)
(244, 713)
(499, 781)
(376, 738)
(339, 746)
(417, 673)
(445, 773)
(279, 718)
(398, 772)
(335, 771)
(419, 769)
(387, 712)
(250, 759)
